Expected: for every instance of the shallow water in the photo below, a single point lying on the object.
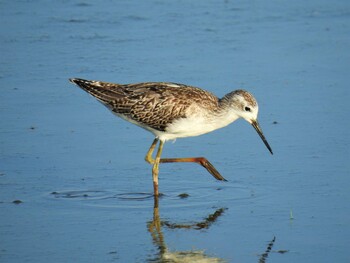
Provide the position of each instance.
(74, 184)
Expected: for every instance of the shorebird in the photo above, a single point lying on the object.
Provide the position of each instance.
(171, 111)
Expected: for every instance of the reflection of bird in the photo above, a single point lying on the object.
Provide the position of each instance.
(165, 254)
(171, 111)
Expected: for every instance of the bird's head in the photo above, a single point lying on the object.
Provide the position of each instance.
(247, 108)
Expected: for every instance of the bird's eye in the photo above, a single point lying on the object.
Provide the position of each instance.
(247, 109)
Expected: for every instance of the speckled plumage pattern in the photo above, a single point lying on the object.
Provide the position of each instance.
(151, 104)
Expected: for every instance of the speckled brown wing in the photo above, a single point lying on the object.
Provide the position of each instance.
(151, 104)
(157, 104)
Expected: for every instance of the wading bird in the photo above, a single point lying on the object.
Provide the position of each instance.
(171, 111)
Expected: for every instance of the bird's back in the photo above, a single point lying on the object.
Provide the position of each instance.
(152, 105)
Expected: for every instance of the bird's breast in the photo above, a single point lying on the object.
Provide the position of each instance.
(196, 125)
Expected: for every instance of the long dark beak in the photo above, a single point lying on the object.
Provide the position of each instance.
(256, 126)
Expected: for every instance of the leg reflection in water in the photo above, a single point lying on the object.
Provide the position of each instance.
(164, 254)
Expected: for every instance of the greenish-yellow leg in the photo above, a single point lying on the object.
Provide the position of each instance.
(155, 169)
(200, 160)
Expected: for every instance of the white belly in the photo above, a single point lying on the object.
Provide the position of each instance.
(194, 126)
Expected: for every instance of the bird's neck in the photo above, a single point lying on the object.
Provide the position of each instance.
(223, 115)
(226, 115)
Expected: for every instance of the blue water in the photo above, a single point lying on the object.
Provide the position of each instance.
(79, 172)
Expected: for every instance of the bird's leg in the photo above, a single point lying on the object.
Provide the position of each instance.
(149, 157)
(200, 160)
(155, 169)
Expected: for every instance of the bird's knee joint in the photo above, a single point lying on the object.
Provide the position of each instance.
(149, 159)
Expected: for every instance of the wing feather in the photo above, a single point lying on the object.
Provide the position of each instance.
(152, 104)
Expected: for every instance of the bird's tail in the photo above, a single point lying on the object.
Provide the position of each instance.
(103, 91)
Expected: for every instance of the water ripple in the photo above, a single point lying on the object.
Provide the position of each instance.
(178, 198)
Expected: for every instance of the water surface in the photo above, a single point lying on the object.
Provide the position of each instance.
(74, 184)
